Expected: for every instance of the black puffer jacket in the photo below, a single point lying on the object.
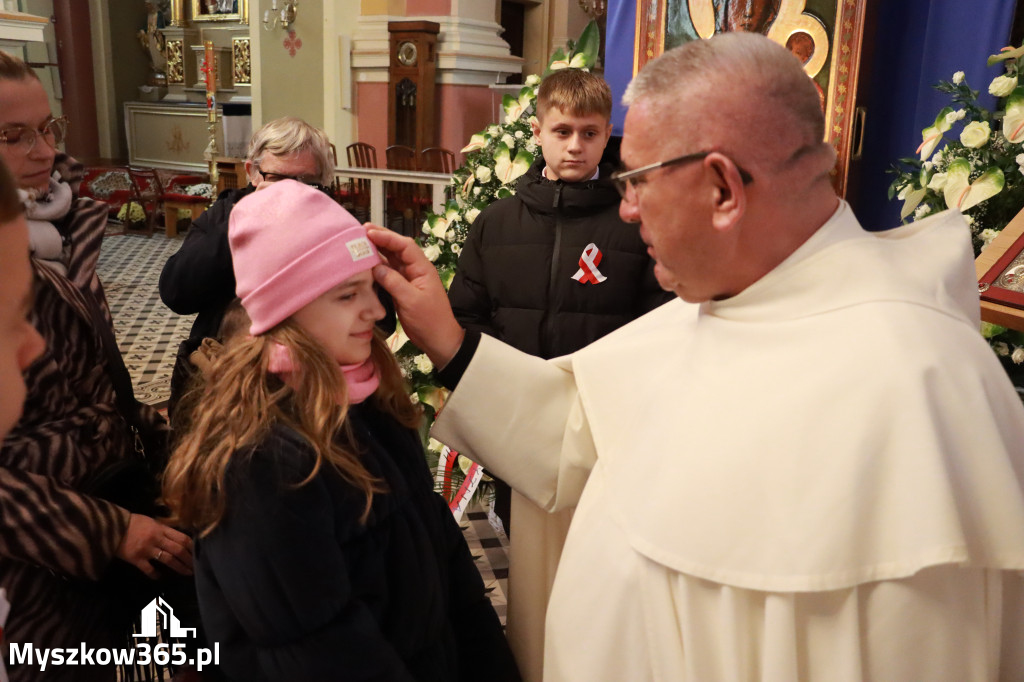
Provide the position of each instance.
(199, 277)
(294, 588)
(514, 279)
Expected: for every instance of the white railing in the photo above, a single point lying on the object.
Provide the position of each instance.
(378, 176)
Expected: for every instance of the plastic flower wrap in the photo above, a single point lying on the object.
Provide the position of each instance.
(972, 159)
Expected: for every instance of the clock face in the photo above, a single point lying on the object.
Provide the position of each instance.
(407, 53)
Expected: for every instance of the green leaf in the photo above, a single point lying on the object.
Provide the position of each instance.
(589, 45)
(911, 202)
(1006, 53)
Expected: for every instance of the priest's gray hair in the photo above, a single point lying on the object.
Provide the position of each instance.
(743, 67)
(290, 135)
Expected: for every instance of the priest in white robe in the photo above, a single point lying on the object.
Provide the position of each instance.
(810, 466)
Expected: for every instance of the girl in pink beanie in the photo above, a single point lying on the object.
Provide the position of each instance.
(321, 549)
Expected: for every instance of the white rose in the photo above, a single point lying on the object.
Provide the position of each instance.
(414, 398)
(423, 363)
(958, 78)
(532, 80)
(509, 141)
(471, 214)
(1018, 355)
(1020, 159)
(519, 134)
(432, 252)
(456, 249)
(1001, 348)
(960, 113)
(1001, 86)
(476, 191)
(937, 182)
(531, 147)
(450, 235)
(975, 134)
(922, 211)
(493, 130)
(426, 227)
(986, 236)
(483, 174)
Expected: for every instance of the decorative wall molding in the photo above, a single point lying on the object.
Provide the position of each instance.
(469, 51)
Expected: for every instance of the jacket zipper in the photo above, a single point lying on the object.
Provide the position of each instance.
(547, 329)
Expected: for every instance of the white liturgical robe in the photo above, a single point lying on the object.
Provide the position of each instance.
(821, 478)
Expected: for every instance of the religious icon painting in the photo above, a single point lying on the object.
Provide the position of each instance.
(1003, 284)
(825, 35)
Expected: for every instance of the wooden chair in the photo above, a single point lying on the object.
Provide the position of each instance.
(437, 160)
(176, 202)
(402, 196)
(360, 155)
(146, 192)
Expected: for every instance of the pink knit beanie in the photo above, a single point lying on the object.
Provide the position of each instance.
(290, 243)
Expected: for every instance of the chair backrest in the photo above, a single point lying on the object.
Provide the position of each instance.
(147, 192)
(437, 160)
(400, 157)
(361, 155)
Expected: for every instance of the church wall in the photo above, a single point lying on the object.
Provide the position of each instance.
(419, 8)
(372, 105)
(461, 111)
(291, 67)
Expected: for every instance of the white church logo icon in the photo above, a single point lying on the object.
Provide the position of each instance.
(160, 610)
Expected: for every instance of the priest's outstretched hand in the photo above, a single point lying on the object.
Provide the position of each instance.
(420, 299)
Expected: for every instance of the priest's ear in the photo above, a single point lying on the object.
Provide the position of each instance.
(729, 184)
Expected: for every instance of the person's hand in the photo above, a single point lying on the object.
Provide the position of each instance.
(147, 539)
(420, 299)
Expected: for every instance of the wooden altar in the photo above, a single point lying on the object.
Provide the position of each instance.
(826, 35)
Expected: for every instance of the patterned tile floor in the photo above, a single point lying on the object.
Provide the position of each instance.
(148, 334)
(147, 331)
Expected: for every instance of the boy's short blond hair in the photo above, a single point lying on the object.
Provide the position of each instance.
(575, 92)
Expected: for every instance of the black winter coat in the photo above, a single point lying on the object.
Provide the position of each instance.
(295, 588)
(514, 278)
(199, 278)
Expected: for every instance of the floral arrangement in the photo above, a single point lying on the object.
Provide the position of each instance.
(131, 212)
(972, 159)
(202, 189)
(495, 158)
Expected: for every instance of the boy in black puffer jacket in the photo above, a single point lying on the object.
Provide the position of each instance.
(548, 271)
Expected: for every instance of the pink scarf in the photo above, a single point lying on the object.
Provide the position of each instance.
(362, 379)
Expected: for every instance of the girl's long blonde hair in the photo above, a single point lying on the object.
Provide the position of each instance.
(240, 400)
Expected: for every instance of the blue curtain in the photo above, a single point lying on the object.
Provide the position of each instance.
(916, 44)
(618, 70)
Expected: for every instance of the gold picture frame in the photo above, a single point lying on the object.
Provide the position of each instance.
(213, 10)
(831, 30)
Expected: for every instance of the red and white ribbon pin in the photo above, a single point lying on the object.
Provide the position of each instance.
(589, 261)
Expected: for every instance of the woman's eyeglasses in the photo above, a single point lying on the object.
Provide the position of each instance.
(23, 138)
